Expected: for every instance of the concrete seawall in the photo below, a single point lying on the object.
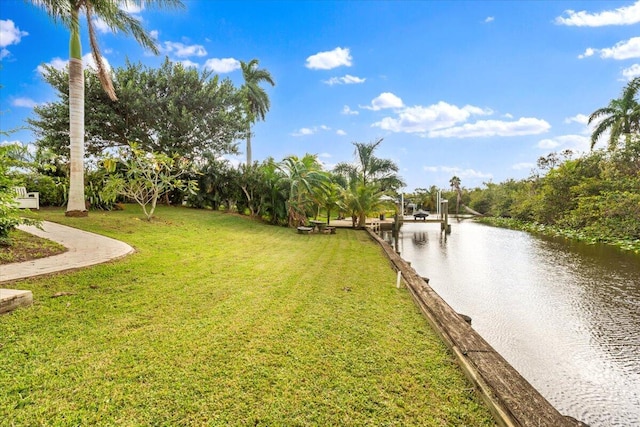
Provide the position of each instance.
(511, 398)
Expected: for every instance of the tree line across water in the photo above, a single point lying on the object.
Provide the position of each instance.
(593, 197)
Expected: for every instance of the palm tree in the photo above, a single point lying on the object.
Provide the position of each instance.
(68, 13)
(361, 200)
(455, 184)
(369, 177)
(303, 175)
(621, 117)
(275, 194)
(371, 169)
(331, 199)
(255, 98)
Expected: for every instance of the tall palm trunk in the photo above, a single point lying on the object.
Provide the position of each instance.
(249, 147)
(76, 202)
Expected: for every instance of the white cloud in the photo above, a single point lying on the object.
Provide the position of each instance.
(100, 25)
(548, 143)
(345, 80)
(9, 34)
(508, 116)
(622, 50)
(384, 100)
(222, 65)
(303, 132)
(524, 165)
(489, 19)
(131, 7)
(57, 63)
(420, 119)
(578, 118)
(459, 172)
(310, 131)
(340, 132)
(348, 111)
(182, 50)
(154, 34)
(487, 128)
(188, 63)
(87, 62)
(324, 156)
(24, 102)
(631, 72)
(626, 15)
(589, 52)
(14, 142)
(576, 143)
(330, 59)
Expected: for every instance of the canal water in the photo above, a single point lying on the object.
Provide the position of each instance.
(565, 315)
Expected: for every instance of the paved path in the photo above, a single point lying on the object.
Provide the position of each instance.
(84, 249)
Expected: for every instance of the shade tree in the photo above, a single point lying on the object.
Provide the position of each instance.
(170, 109)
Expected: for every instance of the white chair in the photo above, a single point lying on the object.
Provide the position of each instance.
(27, 200)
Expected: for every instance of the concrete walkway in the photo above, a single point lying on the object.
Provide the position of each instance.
(84, 249)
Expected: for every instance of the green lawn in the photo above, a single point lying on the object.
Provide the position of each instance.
(25, 247)
(219, 320)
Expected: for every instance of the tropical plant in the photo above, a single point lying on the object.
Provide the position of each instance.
(147, 177)
(370, 169)
(369, 175)
(331, 199)
(253, 187)
(620, 118)
(217, 184)
(426, 198)
(68, 13)
(275, 196)
(362, 200)
(10, 216)
(303, 175)
(255, 99)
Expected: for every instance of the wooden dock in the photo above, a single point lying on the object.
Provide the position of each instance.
(442, 218)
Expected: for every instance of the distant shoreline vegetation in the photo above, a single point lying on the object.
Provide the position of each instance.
(593, 197)
(632, 245)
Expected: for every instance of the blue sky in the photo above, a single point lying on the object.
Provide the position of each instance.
(477, 89)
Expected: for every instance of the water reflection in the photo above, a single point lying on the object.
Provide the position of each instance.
(420, 238)
(566, 315)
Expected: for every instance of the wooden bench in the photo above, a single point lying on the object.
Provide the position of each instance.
(27, 200)
(305, 230)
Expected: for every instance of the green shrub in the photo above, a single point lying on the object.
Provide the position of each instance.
(10, 215)
(607, 216)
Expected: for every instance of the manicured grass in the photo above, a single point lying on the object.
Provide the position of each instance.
(218, 320)
(25, 246)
